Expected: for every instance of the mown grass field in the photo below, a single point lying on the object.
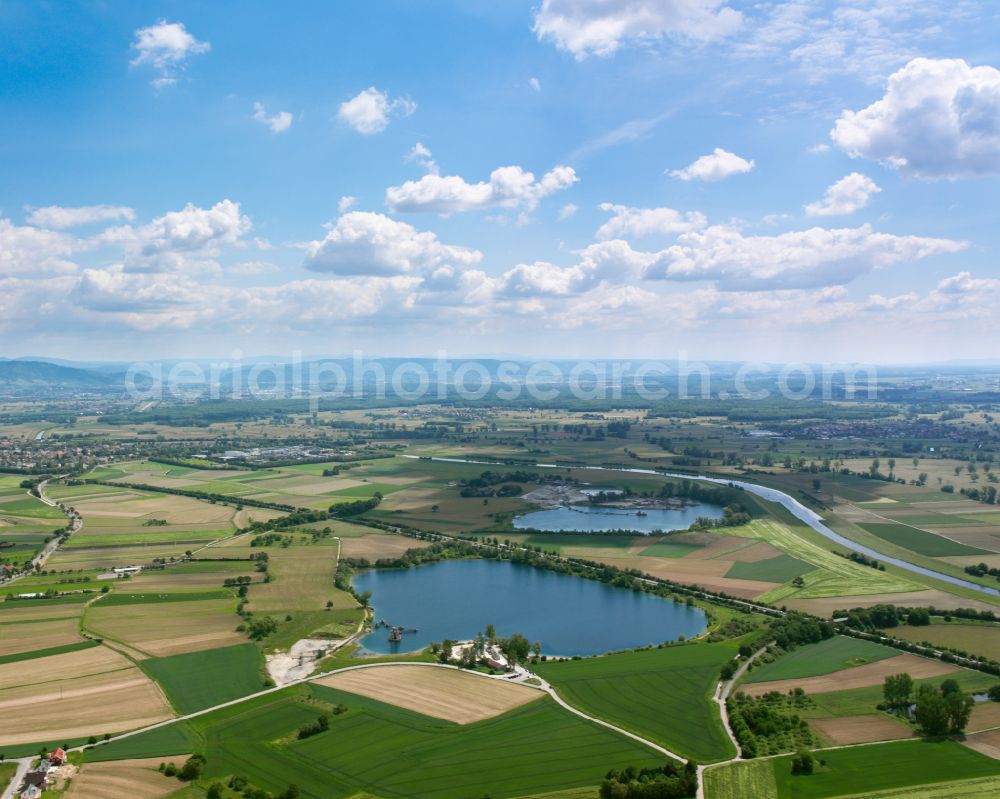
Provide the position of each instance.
(662, 694)
(864, 769)
(833, 576)
(826, 657)
(748, 779)
(198, 680)
(391, 752)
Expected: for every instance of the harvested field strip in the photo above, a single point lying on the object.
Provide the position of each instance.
(985, 716)
(76, 706)
(17, 638)
(63, 666)
(167, 628)
(42, 653)
(126, 779)
(442, 693)
(377, 546)
(869, 674)
(826, 657)
(987, 743)
(861, 729)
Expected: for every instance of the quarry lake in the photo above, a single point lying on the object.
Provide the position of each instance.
(602, 519)
(569, 615)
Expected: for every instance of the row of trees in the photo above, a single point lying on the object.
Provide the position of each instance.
(669, 781)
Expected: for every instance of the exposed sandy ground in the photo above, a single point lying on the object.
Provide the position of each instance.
(38, 635)
(79, 707)
(442, 693)
(825, 606)
(856, 677)
(299, 661)
(378, 546)
(124, 779)
(84, 662)
(986, 742)
(860, 729)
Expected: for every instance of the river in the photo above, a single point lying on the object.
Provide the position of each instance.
(792, 505)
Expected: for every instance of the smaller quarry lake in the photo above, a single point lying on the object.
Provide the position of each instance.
(456, 599)
(594, 519)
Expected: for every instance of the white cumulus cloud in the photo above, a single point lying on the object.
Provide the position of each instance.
(370, 111)
(365, 243)
(31, 251)
(717, 165)
(939, 118)
(797, 259)
(629, 222)
(849, 194)
(185, 240)
(165, 47)
(508, 187)
(276, 123)
(57, 216)
(601, 27)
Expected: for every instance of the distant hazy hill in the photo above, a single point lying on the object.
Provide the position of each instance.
(42, 373)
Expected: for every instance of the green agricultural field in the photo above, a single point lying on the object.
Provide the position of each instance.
(558, 541)
(920, 541)
(747, 779)
(773, 570)
(826, 657)
(131, 598)
(204, 679)
(670, 549)
(862, 769)
(388, 751)
(52, 650)
(29, 507)
(979, 639)
(662, 694)
(173, 739)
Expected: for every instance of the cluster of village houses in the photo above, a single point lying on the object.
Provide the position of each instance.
(37, 780)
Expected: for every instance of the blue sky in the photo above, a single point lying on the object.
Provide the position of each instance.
(784, 180)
